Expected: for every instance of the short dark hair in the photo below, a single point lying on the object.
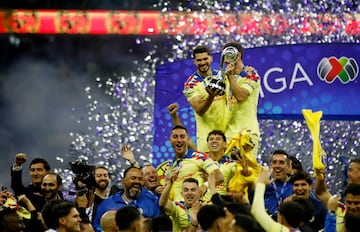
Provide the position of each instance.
(216, 132)
(247, 223)
(125, 216)
(237, 208)
(48, 215)
(308, 207)
(58, 210)
(128, 169)
(100, 167)
(352, 222)
(287, 209)
(200, 49)
(179, 127)
(237, 46)
(295, 163)
(301, 176)
(208, 214)
(281, 152)
(40, 161)
(353, 189)
(4, 211)
(191, 180)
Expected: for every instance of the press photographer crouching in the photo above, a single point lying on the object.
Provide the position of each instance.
(91, 185)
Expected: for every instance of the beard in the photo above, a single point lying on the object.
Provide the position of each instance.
(102, 185)
(204, 68)
(134, 194)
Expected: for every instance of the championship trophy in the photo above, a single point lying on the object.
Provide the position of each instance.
(217, 83)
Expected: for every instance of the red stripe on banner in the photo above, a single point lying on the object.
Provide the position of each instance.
(156, 22)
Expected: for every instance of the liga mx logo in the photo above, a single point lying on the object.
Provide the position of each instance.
(346, 69)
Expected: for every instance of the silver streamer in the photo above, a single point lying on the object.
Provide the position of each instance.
(127, 117)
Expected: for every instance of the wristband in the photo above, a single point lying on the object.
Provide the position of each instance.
(133, 164)
(194, 225)
(332, 212)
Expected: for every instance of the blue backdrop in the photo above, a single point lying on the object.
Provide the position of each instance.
(293, 77)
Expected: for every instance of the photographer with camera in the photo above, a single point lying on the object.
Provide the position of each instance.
(91, 184)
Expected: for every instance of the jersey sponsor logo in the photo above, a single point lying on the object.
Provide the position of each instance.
(345, 69)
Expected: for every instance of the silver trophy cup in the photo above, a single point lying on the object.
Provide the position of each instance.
(217, 83)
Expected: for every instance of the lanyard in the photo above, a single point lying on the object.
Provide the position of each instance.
(279, 197)
(188, 213)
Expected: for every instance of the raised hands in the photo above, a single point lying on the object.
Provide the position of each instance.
(20, 158)
(173, 109)
(127, 153)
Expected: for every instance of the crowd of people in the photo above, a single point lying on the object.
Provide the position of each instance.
(212, 184)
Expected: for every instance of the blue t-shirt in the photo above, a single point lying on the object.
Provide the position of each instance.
(275, 193)
(147, 202)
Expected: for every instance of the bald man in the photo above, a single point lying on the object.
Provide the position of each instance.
(108, 223)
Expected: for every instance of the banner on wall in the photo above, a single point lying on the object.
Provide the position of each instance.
(122, 22)
(293, 77)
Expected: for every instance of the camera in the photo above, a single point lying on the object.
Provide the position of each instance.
(84, 176)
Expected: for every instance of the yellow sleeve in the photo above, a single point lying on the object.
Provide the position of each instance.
(209, 165)
(259, 212)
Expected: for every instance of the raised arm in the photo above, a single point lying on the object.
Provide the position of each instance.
(173, 109)
(258, 207)
(127, 153)
(16, 174)
(320, 187)
(164, 201)
(215, 178)
(201, 105)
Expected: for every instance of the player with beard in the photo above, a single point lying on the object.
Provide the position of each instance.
(88, 203)
(102, 181)
(151, 177)
(207, 103)
(51, 190)
(133, 194)
(51, 186)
